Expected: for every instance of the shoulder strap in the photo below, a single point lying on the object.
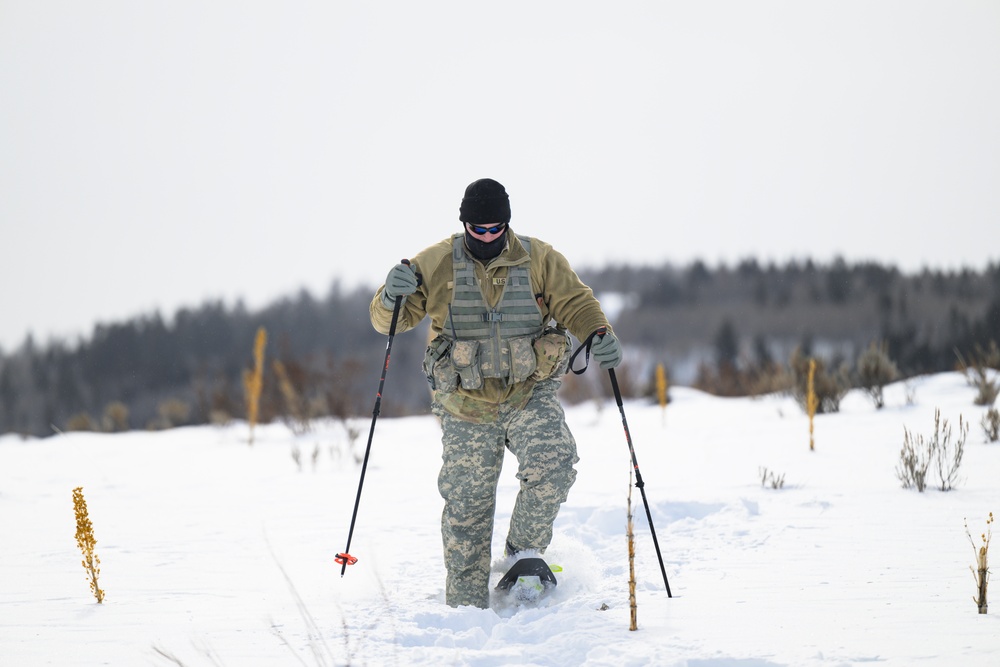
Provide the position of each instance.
(526, 242)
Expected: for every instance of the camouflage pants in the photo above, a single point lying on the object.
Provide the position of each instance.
(539, 438)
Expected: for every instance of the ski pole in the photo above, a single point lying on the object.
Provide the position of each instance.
(585, 347)
(638, 477)
(345, 558)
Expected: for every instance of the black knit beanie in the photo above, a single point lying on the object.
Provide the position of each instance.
(485, 203)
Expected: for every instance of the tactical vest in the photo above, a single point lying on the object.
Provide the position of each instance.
(492, 342)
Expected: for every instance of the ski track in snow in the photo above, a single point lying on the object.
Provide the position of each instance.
(197, 531)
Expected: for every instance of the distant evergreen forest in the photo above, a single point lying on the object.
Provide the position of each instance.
(156, 372)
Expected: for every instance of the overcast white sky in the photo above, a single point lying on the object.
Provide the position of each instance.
(156, 154)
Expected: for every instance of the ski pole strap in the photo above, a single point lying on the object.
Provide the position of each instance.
(585, 348)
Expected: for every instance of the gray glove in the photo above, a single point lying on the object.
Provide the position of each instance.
(607, 351)
(401, 281)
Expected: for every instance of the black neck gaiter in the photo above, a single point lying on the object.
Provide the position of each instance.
(484, 251)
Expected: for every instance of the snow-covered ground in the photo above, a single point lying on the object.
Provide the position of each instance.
(215, 552)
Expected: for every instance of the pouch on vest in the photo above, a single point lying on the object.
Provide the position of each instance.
(465, 356)
(551, 351)
(522, 359)
(438, 367)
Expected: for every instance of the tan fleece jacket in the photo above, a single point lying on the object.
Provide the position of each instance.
(562, 296)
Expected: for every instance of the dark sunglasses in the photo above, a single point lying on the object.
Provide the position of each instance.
(495, 229)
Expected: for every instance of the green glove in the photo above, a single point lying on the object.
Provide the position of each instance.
(401, 281)
(607, 351)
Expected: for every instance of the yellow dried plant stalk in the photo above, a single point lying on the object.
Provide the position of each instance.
(85, 540)
(812, 401)
(633, 622)
(253, 381)
(981, 571)
(661, 388)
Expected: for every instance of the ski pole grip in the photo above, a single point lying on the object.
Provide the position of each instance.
(420, 278)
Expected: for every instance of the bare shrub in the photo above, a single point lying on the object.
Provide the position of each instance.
(170, 413)
(980, 373)
(949, 455)
(914, 461)
(219, 417)
(752, 380)
(918, 453)
(875, 371)
(292, 379)
(830, 387)
(81, 421)
(115, 418)
(768, 478)
(771, 378)
(991, 424)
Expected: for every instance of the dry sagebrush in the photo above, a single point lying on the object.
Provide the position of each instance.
(918, 454)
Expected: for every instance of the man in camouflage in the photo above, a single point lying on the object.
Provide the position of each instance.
(499, 305)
